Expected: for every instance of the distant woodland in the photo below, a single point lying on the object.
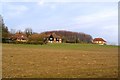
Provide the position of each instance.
(67, 36)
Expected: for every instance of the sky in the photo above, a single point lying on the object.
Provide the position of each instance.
(99, 19)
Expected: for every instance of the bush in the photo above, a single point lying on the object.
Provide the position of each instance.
(70, 41)
(35, 42)
(7, 40)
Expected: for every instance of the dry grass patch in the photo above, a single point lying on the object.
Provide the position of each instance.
(59, 61)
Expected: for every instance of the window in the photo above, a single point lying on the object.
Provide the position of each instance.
(51, 39)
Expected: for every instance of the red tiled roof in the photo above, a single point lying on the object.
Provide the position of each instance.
(99, 39)
(19, 36)
(54, 35)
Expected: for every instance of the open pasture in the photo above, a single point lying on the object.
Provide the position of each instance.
(59, 61)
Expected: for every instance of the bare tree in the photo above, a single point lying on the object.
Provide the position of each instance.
(12, 31)
(28, 31)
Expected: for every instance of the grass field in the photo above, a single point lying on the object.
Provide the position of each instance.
(59, 61)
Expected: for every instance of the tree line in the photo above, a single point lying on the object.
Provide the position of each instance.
(72, 37)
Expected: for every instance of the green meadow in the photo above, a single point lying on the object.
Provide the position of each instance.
(59, 61)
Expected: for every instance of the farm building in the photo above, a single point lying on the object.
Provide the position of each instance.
(54, 38)
(99, 41)
(20, 37)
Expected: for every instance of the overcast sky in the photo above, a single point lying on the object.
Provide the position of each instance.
(99, 19)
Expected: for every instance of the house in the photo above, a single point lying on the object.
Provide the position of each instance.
(20, 37)
(99, 41)
(54, 38)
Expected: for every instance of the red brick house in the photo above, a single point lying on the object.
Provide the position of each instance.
(99, 41)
